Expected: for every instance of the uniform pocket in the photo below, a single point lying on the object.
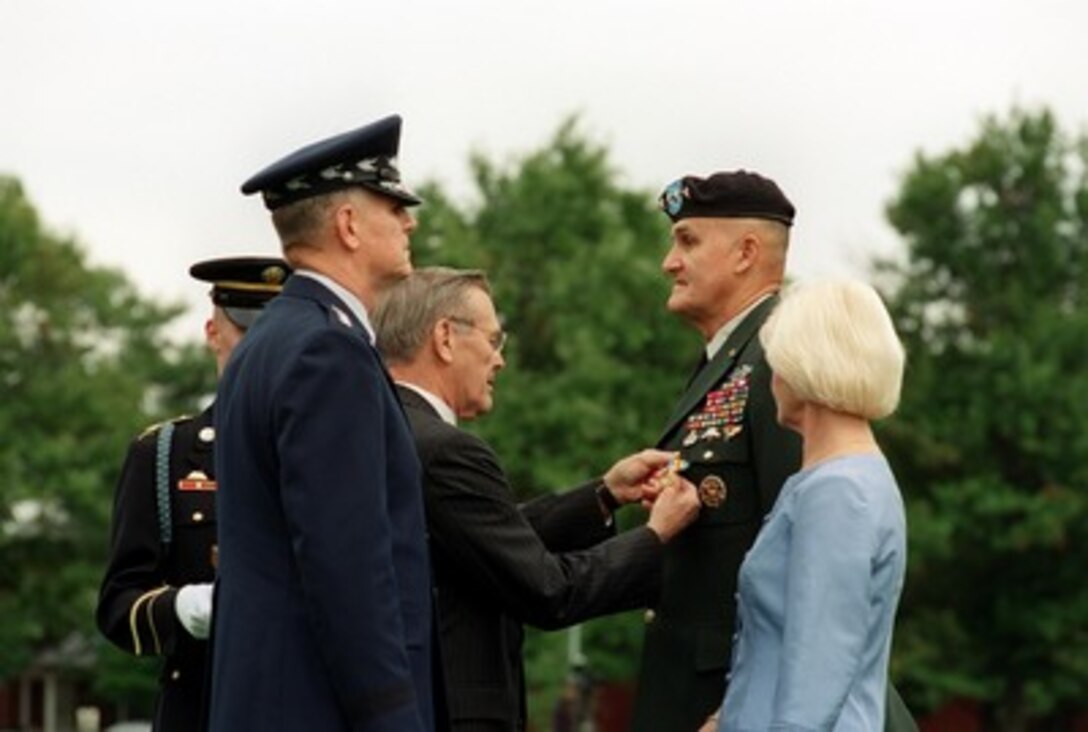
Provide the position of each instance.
(722, 473)
(712, 648)
(194, 509)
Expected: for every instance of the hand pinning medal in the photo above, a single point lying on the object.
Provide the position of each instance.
(666, 478)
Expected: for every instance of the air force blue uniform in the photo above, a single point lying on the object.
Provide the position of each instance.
(323, 609)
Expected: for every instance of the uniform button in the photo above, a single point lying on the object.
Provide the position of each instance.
(708, 454)
(198, 516)
(175, 675)
(649, 617)
(207, 434)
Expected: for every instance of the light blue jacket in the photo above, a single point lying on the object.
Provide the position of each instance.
(817, 597)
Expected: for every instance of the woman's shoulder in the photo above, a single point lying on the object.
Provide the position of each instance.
(863, 478)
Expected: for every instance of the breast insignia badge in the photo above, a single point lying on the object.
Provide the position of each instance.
(712, 491)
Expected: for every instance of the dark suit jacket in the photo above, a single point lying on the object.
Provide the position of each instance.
(136, 603)
(322, 618)
(497, 565)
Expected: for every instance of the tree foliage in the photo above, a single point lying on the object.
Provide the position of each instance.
(990, 441)
(594, 361)
(84, 366)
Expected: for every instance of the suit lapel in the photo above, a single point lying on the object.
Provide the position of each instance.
(717, 369)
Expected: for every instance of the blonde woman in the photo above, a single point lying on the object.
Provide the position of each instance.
(818, 590)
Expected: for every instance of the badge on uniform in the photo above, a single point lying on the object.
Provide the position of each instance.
(341, 316)
(196, 481)
(722, 415)
(712, 491)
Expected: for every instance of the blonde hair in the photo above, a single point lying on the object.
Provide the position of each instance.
(834, 344)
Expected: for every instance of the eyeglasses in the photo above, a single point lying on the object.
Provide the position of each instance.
(497, 339)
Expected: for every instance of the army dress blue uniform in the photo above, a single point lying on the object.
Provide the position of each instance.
(164, 528)
(149, 561)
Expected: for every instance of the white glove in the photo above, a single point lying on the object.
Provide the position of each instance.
(193, 606)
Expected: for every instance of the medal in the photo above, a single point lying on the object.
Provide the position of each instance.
(712, 491)
(196, 481)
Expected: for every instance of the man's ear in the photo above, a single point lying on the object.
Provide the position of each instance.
(346, 220)
(211, 335)
(748, 251)
(442, 340)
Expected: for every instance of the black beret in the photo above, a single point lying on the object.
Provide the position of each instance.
(242, 285)
(365, 157)
(737, 195)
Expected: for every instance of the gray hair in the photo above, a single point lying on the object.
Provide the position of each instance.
(408, 311)
(301, 222)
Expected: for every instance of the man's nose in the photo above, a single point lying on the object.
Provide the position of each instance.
(671, 262)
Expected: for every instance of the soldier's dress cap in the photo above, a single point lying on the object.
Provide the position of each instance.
(366, 157)
(242, 285)
(738, 194)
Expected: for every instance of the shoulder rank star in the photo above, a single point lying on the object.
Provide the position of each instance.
(342, 316)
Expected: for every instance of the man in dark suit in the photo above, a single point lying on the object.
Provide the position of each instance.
(727, 260)
(156, 594)
(322, 618)
(552, 562)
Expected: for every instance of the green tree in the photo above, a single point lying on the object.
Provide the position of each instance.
(990, 442)
(84, 366)
(594, 361)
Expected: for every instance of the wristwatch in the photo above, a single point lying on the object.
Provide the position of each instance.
(608, 501)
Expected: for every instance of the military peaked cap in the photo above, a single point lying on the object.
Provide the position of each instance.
(242, 285)
(366, 157)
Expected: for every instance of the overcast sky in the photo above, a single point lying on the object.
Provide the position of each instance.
(132, 123)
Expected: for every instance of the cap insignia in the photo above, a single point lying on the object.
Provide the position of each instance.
(273, 275)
